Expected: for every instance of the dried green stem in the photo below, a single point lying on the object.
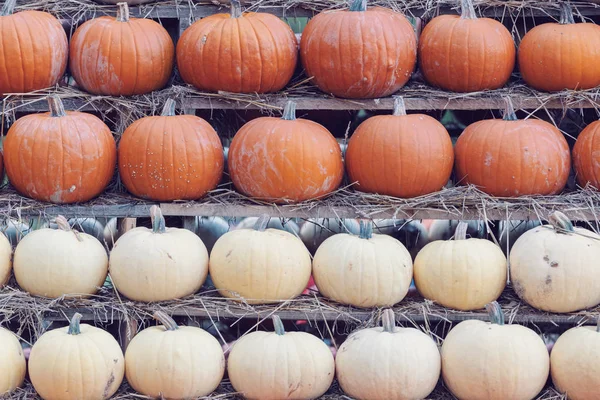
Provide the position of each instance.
(388, 320)
(262, 223)
(169, 108)
(495, 312)
(57, 108)
(358, 5)
(289, 112)
(278, 325)
(74, 327)
(560, 222)
(461, 231)
(509, 110)
(399, 106)
(164, 319)
(8, 8)
(467, 11)
(236, 9)
(366, 229)
(566, 15)
(158, 221)
(122, 12)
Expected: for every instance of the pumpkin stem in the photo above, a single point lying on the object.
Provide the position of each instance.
(63, 225)
(158, 221)
(236, 9)
(358, 5)
(366, 229)
(164, 319)
(123, 12)
(388, 320)
(74, 328)
(566, 15)
(169, 108)
(399, 106)
(509, 110)
(461, 231)
(495, 312)
(560, 222)
(289, 112)
(262, 223)
(8, 8)
(57, 108)
(467, 11)
(278, 325)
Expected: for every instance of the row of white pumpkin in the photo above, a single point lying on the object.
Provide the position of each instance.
(478, 361)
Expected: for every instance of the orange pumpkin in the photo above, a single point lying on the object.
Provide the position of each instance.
(586, 156)
(170, 157)
(400, 155)
(33, 50)
(285, 159)
(121, 56)
(561, 56)
(60, 157)
(242, 53)
(511, 157)
(465, 53)
(359, 53)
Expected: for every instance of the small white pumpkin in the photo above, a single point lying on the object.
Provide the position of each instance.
(60, 262)
(493, 361)
(158, 264)
(555, 267)
(260, 265)
(364, 271)
(177, 362)
(5, 260)
(280, 366)
(12, 362)
(388, 363)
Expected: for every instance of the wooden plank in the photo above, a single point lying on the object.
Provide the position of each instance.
(74, 211)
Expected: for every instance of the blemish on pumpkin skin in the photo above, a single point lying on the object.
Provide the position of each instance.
(548, 280)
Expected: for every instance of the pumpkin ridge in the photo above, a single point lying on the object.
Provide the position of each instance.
(34, 54)
(22, 70)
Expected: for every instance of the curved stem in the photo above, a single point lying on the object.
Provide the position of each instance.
(366, 229)
(169, 108)
(560, 222)
(123, 12)
(495, 312)
(399, 106)
(566, 15)
(262, 223)
(236, 9)
(461, 231)
(278, 325)
(467, 11)
(158, 221)
(164, 319)
(74, 328)
(289, 112)
(388, 320)
(358, 5)
(63, 225)
(509, 110)
(8, 8)
(57, 108)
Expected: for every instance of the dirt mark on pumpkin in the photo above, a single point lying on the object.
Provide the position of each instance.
(519, 290)
(111, 380)
(548, 280)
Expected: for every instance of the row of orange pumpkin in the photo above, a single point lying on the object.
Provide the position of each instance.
(67, 157)
(258, 52)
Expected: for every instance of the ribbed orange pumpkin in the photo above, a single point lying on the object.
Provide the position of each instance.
(285, 159)
(509, 157)
(33, 50)
(121, 56)
(60, 157)
(586, 156)
(561, 56)
(466, 53)
(359, 53)
(400, 155)
(242, 53)
(170, 157)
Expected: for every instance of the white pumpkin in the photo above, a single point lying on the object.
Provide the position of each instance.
(260, 265)
(493, 361)
(364, 271)
(5, 260)
(555, 267)
(158, 264)
(280, 366)
(177, 362)
(464, 274)
(60, 262)
(388, 363)
(12, 362)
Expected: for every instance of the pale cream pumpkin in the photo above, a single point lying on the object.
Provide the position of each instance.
(12, 362)
(364, 271)
(78, 362)
(158, 264)
(388, 363)
(555, 267)
(60, 262)
(177, 362)
(464, 274)
(493, 361)
(260, 265)
(5, 260)
(280, 366)
(574, 362)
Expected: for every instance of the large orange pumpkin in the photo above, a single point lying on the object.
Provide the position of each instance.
(121, 56)
(359, 53)
(400, 155)
(557, 56)
(60, 157)
(466, 53)
(586, 156)
(242, 53)
(33, 50)
(285, 159)
(170, 157)
(509, 157)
